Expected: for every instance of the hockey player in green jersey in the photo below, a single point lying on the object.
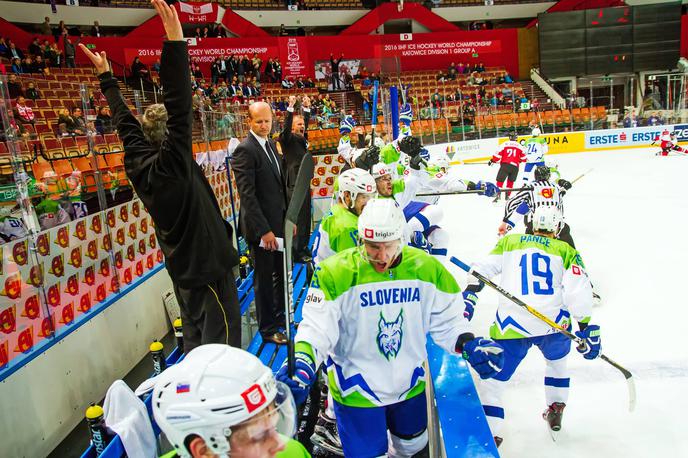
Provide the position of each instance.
(550, 276)
(367, 315)
(338, 229)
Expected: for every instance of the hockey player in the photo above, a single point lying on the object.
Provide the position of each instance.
(222, 401)
(543, 193)
(338, 229)
(536, 148)
(668, 143)
(510, 156)
(352, 146)
(549, 275)
(367, 314)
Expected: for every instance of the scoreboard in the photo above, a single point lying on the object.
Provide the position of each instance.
(610, 40)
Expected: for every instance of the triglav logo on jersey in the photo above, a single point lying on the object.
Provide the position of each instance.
(390, 335)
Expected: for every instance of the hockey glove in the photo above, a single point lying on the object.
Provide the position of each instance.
(469, 300)
(304, 376)
(564, 184)
(489, 163)
(419, 241)
(523, 209)
(410, 145)
(490, 189)
(416, 162)
(368, 158)
(485, 356)
(593, 342)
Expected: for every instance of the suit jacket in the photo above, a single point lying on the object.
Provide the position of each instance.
(261, 190)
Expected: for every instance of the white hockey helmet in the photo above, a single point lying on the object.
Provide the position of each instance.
(381, 221)
(215, 388)
(546, 218)
(438, 160)
(536, 131)
(381, 169)
(356, 181)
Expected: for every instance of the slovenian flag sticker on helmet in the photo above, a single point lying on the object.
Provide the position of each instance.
(183, 388)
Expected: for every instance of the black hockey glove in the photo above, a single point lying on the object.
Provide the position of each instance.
(564, 184)
(470, 186)
(368, 158)
(489, 163)
(416, 162)
(410, 145)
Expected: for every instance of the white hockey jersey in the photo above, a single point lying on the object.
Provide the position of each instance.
(371, 328)
(547, 274)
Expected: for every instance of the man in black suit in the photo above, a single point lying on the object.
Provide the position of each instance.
(294, 142)
(260, 178)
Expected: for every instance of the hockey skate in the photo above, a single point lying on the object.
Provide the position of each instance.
(326, 436)
(498, 441)
(596, 299)
(553, 416)
(497, 198)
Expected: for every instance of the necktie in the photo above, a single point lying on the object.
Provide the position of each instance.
(272, 155)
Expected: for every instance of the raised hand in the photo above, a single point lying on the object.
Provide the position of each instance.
(99, 59)
(170, 20)
(306, 101)
(292, 101)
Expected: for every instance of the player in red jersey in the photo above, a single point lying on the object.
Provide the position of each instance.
(510, 156)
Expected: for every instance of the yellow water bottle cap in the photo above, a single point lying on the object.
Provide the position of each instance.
(94, 411)
(156, 346)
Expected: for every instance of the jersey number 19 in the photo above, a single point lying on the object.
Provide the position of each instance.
(540, 271)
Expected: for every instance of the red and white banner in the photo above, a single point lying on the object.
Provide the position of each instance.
(294, 57)
(199, 13)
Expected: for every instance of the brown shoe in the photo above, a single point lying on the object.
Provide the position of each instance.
(277, 338)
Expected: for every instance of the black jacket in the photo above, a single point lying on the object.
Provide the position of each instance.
(196, 240)
(294, 147)
(261, 190)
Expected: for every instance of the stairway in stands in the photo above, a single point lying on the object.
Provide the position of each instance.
(532, 91)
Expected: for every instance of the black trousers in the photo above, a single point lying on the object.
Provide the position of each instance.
(564, 234)
(303, 231)
(268, 286)
(507, 172)
(335, 81)
(210, 313)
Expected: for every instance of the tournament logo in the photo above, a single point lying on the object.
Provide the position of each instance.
(13, 286)
(131, 253)
(20, 252)
(96, 225)
(144, 226)
(67, 314)
(321, 171)
(90, 276)
(8, 320)
(43, 244)
(110, 217)
(73, 285)
(547, 193)
(329, 181)
(315, 181)
(142, 246)
(31, 308)
(80, 230)
(136, 209)
(36, 276)
(85, 303)
(92, 249)
(24, 340)
(57, 265)
(120, 236)
(75, 257)
(63, 237)
(327, 159)
(107, 242)
(47, 327)
(389, 336)
(124, 213)
(53, 295)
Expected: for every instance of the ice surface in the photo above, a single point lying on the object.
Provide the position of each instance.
(629, 218)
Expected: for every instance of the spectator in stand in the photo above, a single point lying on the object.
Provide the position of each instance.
(235, 88)
(198, 33)
(198, 100)
(23, 114)
(45, 27)
(257, 64)
(655, 120)
(248, 66)
(480, 67)
(53, 55)
(535, 105)
(69, 51)
(300, 83)
(103, 122)
(452, 74)
(35, 47)
(278, 70)
(81, 125)
(219, 31)
(241, 69)
(31, 91)
(232, 67)
(467, 69)
(508, 79)
(215, 70)
(630, 120)
(206, 33)
(60, 30)
(27, 65)
(439, 77)
(13, 52)
(38, 65)
(282, 31)
(14, 86)
(479, 80)
(3, 46)
(310, 83)
(156, 66)
(196, 71)
(17, 67)
(334, 71)
(95, 30)
(460, 68)
(66, 123)
(286, 83)
(139, 71)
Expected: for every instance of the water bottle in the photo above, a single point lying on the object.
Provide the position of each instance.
(100, 434)
(156, 350)
(177, 325)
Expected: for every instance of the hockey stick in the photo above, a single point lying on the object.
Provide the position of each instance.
(302, 188)
(581, 176)
(472, 191)
(579, 342)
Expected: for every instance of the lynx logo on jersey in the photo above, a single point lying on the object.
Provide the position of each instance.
(389, 336)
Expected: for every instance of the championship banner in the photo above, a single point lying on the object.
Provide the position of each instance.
(199, 13)
(294, 57)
